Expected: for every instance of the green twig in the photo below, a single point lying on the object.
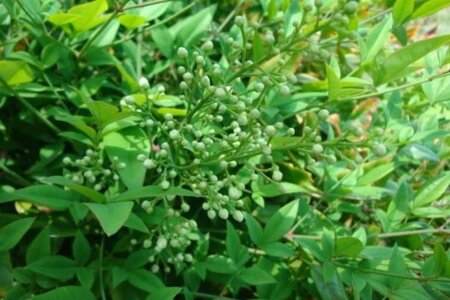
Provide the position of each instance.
(140, 4)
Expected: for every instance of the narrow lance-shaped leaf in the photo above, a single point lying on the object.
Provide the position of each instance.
(12, 233)
(376, 39)
(397, 62)
(429, 7)
(280, 223)
(402, 10)
(433, 190)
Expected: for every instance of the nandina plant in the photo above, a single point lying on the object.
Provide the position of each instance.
(224, 150)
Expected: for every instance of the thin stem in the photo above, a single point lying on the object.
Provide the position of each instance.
(174, 16)
(100, 268)
(140, 4)
(139, 50)
(389, 274)
(397, 88)
(387, 235)
(14, 176)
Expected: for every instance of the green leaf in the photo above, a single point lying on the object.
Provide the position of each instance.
(401, 204)
(376, 38)
(39, 247)
(82, 17)
(51, 54)
(397, 62)
(330, 289)
(134, 222)
(293, 14)
(190, 30)
(132, 21)
(167, 293)
(145, 280)
(397, 266)
(56, 267)
(86, 276)
(256, 276)
(45, 195)
(126, 145)
(163, 40)
(233, 243)
(280, 223)
(67, 293)
(81, 249)
(440, 259)
(348, 246)
(80, 189)
(376, 173)
(153, 191)
(12, 233)
(429, 7)
(279, 188)
(402, 10)
(334, 85)
(433, 190)
(111, 216)
(419, 152)
(254, 229)
(220, 264)
(278, 250)
(15, 72)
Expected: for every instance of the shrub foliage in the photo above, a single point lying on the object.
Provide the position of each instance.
(223, 149)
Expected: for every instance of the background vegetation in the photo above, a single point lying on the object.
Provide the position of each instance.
(271, 149)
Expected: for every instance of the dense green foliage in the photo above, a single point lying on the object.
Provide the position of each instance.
(254, 149)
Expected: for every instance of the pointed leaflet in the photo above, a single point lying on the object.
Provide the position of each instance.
(376, 39)
(280, 223)
(402, 10)
(111, 216)
(254, 229)
(397, 62)
(433, 190)
(56, 267)
(15, 72)
(334, 84)
(39, 247)
(67, 293)
(429, 7)
(12, 233)
(167, 293)
(126, 145)
(46, 195)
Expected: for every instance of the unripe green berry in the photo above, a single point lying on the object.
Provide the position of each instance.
(147, 243)
(238, 215)
(323, 114)
(317, 148)
(259, 87)
(174, 134)
(182, 52)
(143, 83)
(223, 213)
(164, 185)
(270, 130)
(208, 46)
(284, 90)
(220, 92)
(379, 149)
(211, 214)
(277, 175)
(239, 21)
(350, 7)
